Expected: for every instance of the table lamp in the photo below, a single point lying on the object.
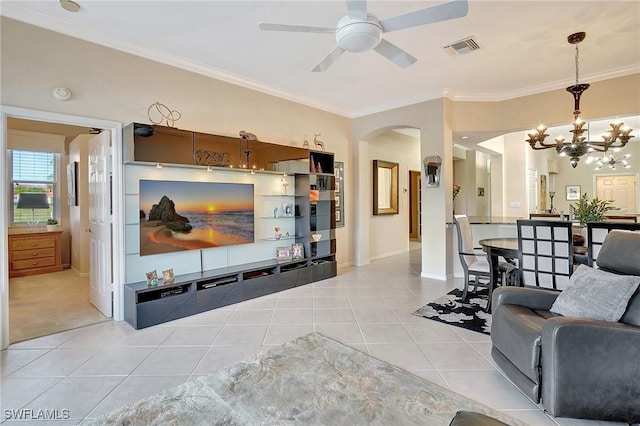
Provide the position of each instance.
(33, 200)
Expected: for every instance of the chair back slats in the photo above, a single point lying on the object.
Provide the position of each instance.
(596, 233)
(465, 240)
(545, 250)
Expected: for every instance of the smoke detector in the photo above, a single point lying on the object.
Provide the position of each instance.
(462, 47)
(61, 94)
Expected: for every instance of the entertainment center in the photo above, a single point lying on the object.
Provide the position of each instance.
(293, 199)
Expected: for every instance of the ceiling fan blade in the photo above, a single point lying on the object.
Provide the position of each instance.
(295, 28)
(328, 60)
(394, 54)
(357, 9)
(442, 12)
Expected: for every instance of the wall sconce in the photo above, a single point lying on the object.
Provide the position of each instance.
(432, 166)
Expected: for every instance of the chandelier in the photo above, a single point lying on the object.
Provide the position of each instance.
(610, 161)
(616, 137)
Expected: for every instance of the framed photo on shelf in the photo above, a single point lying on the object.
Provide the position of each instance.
(338, 172)
(573, 192)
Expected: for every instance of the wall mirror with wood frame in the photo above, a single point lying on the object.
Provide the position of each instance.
(385, 187)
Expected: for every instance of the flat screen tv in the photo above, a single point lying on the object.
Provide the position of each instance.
(177, 216)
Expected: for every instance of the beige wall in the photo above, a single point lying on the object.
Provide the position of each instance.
(389, 234)
(607, 98)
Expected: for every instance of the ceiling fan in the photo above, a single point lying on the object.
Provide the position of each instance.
(359, 31)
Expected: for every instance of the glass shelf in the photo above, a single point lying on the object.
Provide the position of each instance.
(290, 237)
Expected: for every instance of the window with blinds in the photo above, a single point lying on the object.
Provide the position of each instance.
(33, 171)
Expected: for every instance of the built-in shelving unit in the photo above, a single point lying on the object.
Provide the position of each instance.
(199, 292)
(298, 200)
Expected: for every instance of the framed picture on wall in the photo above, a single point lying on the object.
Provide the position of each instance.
(573, 192)
(72, 183)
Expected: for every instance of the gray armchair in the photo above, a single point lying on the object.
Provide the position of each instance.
(575, 367)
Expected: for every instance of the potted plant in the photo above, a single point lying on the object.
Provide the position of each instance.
(590, 211)
(52, 224)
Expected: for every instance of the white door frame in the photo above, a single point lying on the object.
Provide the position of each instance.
(117, 198)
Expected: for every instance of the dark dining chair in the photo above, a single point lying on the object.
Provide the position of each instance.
(477, 271)
(545, 251)
(473, 260)
(596, 233)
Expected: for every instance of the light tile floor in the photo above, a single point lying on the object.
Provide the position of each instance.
(93, 370)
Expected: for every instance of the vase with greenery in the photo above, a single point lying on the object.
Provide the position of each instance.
(456, 190)
(594, 210)
(51, 224)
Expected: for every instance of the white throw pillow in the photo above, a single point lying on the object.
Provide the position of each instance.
(596, 294)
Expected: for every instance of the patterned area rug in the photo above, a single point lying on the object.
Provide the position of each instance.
(312, 380)
(451, 309)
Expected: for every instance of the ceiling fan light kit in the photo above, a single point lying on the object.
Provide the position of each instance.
(615, 138)
(354, 35)
(360, 31)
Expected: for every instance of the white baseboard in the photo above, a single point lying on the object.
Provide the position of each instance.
(382, 256)
(434, 276)
(80, 274)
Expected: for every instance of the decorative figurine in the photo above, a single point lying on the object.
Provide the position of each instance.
(275, 212)
(317, 142)
(278, 234)
(248, 136)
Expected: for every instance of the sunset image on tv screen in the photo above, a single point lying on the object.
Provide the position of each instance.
(177, 216)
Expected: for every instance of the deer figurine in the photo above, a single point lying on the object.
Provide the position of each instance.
(317, 142)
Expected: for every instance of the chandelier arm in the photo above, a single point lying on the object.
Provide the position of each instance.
(599, 148)
(543, 147)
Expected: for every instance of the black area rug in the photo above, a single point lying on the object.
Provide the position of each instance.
(451, 309)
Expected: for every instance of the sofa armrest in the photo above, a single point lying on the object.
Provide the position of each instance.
(590, 369)
(532, 298)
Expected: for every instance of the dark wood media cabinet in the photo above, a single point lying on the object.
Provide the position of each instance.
(198, 292)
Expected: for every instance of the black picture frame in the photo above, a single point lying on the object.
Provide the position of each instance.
(72, 183)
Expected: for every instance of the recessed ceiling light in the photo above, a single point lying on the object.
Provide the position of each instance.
(464, 137)
(70, 6)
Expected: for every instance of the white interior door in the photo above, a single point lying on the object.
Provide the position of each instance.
(619, 188)
(100, 223)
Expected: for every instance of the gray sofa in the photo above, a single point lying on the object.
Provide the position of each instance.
(580, 368)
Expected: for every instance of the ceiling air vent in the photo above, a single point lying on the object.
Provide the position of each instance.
(462, 47)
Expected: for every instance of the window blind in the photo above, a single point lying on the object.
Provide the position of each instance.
(30, 166)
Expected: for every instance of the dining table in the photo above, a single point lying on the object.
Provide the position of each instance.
(496, 248)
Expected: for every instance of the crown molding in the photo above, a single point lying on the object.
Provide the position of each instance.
(400, 103)
(547, 87)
